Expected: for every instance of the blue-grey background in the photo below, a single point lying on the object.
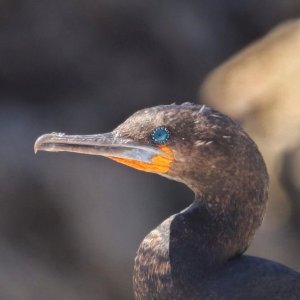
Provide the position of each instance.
(70, 224)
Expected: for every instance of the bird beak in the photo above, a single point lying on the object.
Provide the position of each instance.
(142, 157)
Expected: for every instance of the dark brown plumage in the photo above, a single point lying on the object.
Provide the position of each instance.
(197, 253)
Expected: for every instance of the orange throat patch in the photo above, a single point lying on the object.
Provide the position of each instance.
(158, 164)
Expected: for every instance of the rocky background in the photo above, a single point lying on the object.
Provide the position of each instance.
(70, 224)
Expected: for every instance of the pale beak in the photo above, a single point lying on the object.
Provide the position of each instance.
(143, 157)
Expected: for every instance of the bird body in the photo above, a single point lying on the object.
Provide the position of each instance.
(197, 253)
(187, 275)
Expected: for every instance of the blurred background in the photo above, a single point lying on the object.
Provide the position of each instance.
(70, 224)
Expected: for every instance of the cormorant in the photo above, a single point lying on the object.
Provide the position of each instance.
(198, 252)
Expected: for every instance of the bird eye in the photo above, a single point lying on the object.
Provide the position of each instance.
(160, 135)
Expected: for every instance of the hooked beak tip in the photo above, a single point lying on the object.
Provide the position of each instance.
(37, 144)
(43, 139)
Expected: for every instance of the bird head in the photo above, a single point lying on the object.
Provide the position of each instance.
(189, 143)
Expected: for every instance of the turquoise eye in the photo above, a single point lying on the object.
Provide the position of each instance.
(160, 135)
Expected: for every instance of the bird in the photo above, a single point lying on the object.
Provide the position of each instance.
(197, 253)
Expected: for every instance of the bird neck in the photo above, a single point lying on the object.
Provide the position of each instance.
(202, 239)
(185, 249)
